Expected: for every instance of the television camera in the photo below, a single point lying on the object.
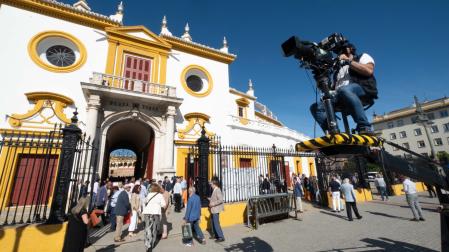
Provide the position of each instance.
(319, 57)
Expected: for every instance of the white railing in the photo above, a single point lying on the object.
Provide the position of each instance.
(132, 85)
(267, 127)
(259, 107)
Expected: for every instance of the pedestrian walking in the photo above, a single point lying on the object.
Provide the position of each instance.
(101, 199)
(431, 190)
(216, 206)
(111, 208)
(381, 186)
(165, 212)
(412, 199)
(177, 191)
(297, 191)
(122, 208)
(334, 189)
(76, 235)
(154, 202)
(193, 214)
(348, 193)
(184, 191)
(135, 210)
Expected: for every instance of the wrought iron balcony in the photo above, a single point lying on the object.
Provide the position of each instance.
(134, 85)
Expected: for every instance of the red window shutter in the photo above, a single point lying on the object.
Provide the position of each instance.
(137, 68)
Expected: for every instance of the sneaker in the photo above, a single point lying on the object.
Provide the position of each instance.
(203, 241)
(422, 219)
(359, 217)
(366, 131)
(414, 219)
(220, 240)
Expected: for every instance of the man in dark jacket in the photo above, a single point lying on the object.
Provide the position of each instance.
(122, 208)
(102, 197)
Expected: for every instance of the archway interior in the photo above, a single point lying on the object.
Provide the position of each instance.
(135, 137)
(122, 163)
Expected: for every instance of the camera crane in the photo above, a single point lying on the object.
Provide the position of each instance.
(318, 57)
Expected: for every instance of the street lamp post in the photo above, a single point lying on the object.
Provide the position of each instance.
(422, 118)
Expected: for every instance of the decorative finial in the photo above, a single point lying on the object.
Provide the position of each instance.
(119, 13)
(82, 5)
(225, 46)
(186, 35)
(164, 28)
(74, 118)
(120, 8)
(250, 88)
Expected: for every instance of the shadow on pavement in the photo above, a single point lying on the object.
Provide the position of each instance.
(424, 209)
(387, 215)
(334, 214)
(384, 244)
(250, 244)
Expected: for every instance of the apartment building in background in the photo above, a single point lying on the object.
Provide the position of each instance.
(404, 127)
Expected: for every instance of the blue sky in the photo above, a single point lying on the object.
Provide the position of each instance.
(407, 39)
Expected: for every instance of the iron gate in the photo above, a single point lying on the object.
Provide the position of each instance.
(239, 169)
(40, 173)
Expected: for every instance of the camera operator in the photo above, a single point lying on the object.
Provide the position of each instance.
(353, 84)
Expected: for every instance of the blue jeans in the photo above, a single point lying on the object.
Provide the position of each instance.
(112, 218)
(216, 226)
(347, 97)
(197, 229)
(383, 192)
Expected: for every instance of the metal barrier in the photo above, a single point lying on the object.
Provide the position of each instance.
(264, 206)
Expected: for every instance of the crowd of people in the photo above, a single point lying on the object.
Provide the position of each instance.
(148, 202)
(144, 205)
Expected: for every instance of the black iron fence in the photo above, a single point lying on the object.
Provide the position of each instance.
(243, 171)
(41, 173)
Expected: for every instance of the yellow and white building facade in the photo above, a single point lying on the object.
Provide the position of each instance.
(132, 87)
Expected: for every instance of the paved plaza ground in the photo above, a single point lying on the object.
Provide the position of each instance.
(385, 227)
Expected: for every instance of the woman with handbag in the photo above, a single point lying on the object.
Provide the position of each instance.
(154, 202)
(135, 210)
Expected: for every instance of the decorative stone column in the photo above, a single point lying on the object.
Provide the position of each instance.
(93, 105)
(169, 137)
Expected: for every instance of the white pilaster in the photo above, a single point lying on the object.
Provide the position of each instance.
(93, 106)
(169, 137)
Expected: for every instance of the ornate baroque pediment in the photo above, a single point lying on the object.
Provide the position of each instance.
(48, 110)
(195, 122)
(137, 35)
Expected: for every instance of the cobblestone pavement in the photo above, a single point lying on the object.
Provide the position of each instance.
(385, 227)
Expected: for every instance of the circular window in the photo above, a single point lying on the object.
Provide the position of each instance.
(57, 51)
(196, 81)
(60, 56)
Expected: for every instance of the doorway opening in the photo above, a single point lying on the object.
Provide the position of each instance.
(129, 151)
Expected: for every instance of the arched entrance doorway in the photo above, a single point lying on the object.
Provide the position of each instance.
(135, 138)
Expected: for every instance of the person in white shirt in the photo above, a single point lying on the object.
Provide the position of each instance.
(412, 199)
(354, 82)
(177, 191)
(152, 211)
(381, 187)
